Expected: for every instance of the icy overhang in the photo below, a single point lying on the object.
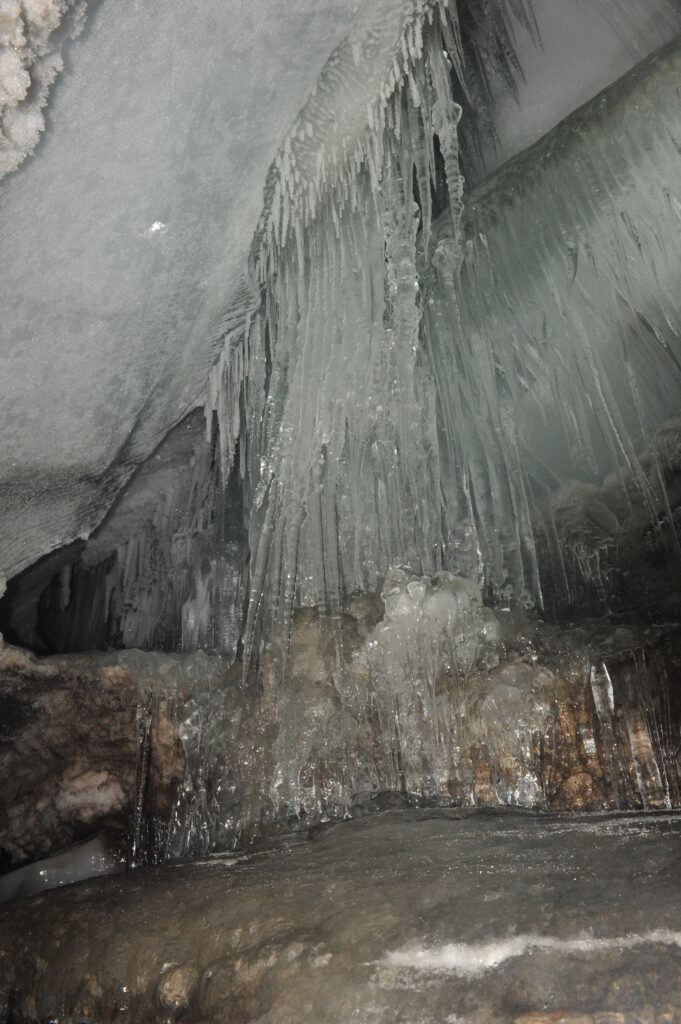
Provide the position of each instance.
(126, 235)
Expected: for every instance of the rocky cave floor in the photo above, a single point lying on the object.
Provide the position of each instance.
(412, 916)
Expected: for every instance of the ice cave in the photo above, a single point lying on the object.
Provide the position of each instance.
(340, 512)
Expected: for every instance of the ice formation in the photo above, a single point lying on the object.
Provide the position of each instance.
(473, 959)
(556, 354)
(342, 457)
(130, 319)
(31, 34)
(414, 392)
(101, 855)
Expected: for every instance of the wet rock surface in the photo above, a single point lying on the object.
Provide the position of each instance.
(69, 750)
(425, 697)
(430, 916)
(507, 712)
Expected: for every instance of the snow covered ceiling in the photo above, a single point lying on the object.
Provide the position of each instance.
(126, 233)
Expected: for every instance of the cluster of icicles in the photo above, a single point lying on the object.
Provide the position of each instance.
(382, 424)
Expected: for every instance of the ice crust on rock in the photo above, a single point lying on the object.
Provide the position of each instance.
(474, 959)
(435, 700)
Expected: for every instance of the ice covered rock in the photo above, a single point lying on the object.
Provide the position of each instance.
(463, 707)
(469, 708)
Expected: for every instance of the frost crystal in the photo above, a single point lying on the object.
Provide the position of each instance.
(30, 37)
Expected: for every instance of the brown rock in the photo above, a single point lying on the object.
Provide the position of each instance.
(68, 751)
(578, 793)
(178, 988)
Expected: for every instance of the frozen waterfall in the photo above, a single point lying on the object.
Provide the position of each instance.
(415, 392)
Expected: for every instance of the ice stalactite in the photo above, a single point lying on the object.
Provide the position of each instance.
(428, 388)
(337, 407)
(556, 349)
